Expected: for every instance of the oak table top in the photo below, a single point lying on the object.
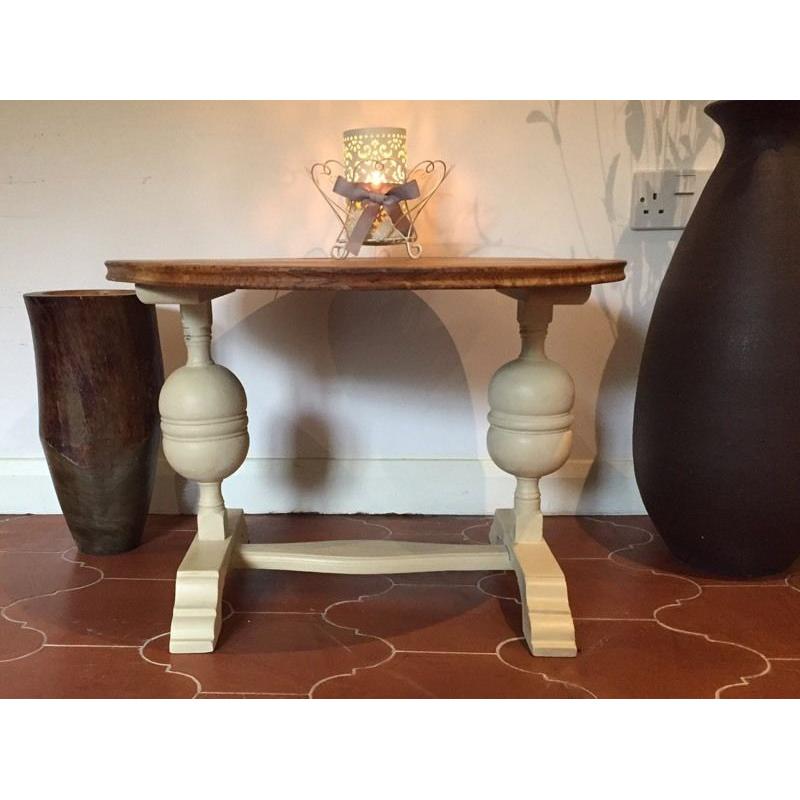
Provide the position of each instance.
(462, 272)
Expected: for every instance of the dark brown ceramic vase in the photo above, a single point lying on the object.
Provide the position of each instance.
(716, 438)
(99, 370)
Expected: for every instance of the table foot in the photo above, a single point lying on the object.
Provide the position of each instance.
(546, 616)
(197, 615)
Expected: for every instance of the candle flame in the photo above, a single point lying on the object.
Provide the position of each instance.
(376, 179)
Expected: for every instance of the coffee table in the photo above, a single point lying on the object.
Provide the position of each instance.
(204, 430)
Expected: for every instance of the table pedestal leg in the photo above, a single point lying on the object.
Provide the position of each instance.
(529, 436)
(204, 426)
(204, 432)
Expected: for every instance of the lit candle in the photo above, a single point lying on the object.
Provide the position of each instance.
(375, 155)
(375, 158)
(376, 180)
(375, 199)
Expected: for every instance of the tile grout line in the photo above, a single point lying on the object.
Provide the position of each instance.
(388, 530)
(437, 585)
(656, 571)
(448, 652)
(614, 619)
(108, 646)
(679, 602)
(24, 624)
(259, 694)
(465, 536)
(167, 668)
(781, 585)
(632, 545)
(479, 587)
(543, 674)
(295, 613)
(588, 558)
(326, 620)
(357, 632)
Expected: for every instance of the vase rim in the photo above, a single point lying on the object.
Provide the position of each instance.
(82, 293)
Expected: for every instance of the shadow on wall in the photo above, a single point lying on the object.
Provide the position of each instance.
(356, 376)
(658, 135)
(673, 133)
(618, 381)
(327, 373)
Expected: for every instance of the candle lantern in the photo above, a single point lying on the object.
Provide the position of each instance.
(374, 196)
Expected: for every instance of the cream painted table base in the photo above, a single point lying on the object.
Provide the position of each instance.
(204, 427)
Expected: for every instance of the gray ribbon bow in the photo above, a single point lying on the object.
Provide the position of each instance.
(372, 203)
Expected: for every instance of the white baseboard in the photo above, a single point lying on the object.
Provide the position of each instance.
(370, 486)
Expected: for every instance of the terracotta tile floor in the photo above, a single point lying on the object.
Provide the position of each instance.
(647, 626)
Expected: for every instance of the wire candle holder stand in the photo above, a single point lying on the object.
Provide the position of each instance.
(376, 199)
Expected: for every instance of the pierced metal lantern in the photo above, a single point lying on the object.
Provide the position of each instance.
(374, 196)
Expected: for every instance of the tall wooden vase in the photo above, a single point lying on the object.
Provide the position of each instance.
(99, 371)
(716, 438)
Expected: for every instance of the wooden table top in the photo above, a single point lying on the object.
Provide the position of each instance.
(461, 272)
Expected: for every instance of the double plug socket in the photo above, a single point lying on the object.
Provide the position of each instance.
(665, 199)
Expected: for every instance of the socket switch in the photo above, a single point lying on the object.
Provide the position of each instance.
(665, 199)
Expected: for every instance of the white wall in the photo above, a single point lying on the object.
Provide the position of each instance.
(357, 401)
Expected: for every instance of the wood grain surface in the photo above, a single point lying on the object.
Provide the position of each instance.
(368, 273)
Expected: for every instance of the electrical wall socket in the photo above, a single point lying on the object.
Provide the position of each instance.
(665, 199)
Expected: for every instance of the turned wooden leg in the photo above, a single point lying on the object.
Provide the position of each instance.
(204, 432)
(529, 436)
